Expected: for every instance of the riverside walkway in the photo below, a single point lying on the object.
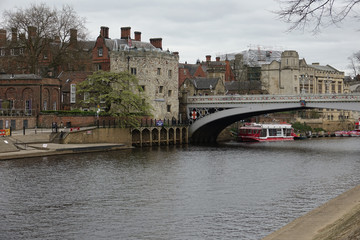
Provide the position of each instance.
(36, 143)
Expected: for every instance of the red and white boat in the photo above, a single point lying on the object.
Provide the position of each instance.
(256, 132)
(353, 133)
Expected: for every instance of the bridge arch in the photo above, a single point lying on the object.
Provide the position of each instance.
(206, 129)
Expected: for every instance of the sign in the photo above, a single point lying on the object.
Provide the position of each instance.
(193, 115)
(159, 123)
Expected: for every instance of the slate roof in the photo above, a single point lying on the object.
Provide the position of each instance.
(202, 83)
(20, 76)
(122, 44)
(191, 67)
(326, 68)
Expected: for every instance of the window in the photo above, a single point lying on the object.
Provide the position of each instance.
(97, 67)
(100, 52)
(12, 52)
(161, 88)
(28, 107)
(86, 97)
(169, 108)
(159, 71)
(54, 106)
(339, 88)
(133, 71)
(170, 73)
(73, 93)
(21, 51)
(143, 88)
(169, 93)
(2, 52)
(11, 104)
(45, 55)
(45, 105)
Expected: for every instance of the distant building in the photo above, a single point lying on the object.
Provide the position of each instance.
(52, 58)
(70, 99)
(191, 71)
(201, 86)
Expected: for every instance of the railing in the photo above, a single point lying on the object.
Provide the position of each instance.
(17, 112)
(238, 99)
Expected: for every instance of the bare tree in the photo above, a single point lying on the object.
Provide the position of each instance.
(315, 13)
(355, 63)
(43, 30)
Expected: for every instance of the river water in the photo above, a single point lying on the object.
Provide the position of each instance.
(230, 191)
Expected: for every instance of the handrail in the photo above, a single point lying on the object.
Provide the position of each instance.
(236, 99)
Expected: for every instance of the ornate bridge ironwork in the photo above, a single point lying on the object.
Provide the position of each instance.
(208, 115)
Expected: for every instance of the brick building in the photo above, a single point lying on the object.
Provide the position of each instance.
(190, 71)
(23, 96)
(53, 56)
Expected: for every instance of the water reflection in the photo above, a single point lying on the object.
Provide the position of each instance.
(234, 190)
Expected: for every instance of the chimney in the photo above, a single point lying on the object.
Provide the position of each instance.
(73, 36)
(218, 59)
(104, 32)
(31, 32)
(176, 53)
(2, 37)
(13, 35)
(125, 32)
(137, 36)
(156, 42)
(208, 58)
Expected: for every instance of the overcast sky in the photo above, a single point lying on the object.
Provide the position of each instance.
(196, 28)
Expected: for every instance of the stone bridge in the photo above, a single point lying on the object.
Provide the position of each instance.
(209, 115)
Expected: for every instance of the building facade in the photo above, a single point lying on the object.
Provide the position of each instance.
(156, 69)
(291, 75)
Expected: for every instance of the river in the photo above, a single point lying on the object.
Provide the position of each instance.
(229, 191)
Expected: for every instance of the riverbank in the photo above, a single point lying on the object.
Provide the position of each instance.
(36, 143)
(337, 219)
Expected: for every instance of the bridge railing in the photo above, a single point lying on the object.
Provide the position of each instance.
(236, 99)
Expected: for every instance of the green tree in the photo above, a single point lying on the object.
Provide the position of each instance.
(120, 92)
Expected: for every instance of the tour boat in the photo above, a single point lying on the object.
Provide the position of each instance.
(353, 133)
(256, 132)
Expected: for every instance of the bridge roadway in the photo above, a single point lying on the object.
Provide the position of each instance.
(209, 115)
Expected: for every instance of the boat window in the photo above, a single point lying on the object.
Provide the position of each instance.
(272, 132)
(263, 133)
(287, 132)
(279, 132)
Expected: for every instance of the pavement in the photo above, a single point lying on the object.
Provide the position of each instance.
(36, 143)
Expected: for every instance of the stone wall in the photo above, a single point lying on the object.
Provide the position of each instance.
(100, 135)
(157, 72)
